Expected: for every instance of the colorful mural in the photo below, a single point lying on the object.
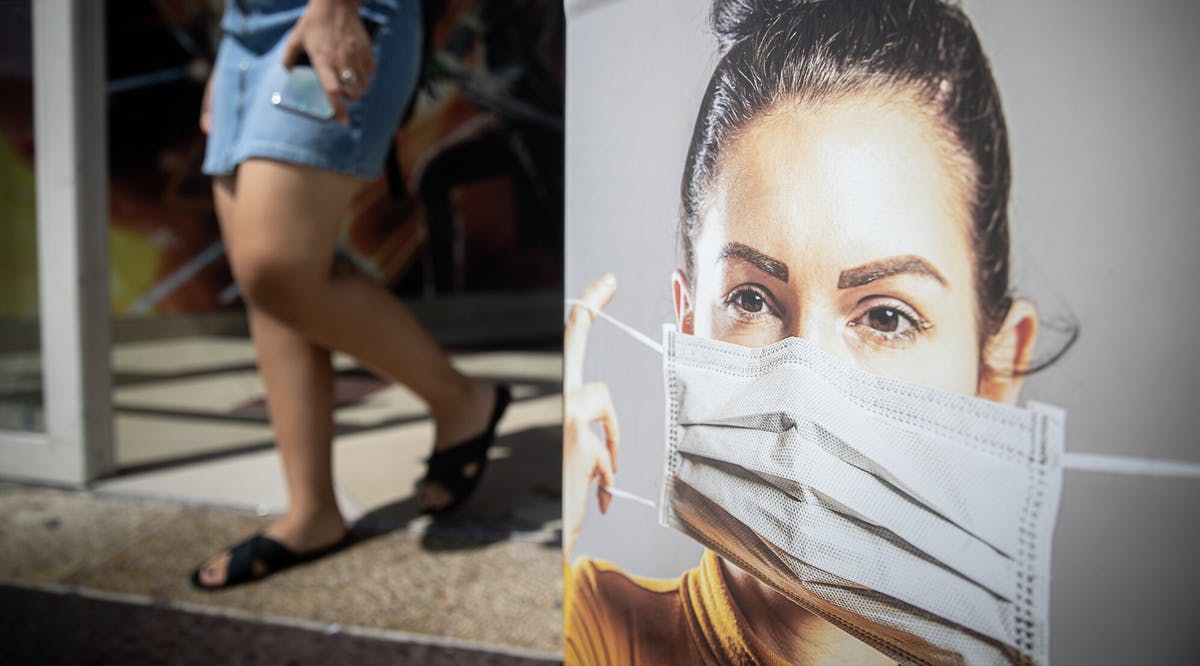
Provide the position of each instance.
(472, 200)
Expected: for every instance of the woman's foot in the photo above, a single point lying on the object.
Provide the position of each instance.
(471, 417)
(301, 535)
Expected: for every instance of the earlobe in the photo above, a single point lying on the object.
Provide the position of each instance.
(683, 302)
(1007, 355)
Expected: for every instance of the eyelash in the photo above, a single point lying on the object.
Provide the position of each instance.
(769, 308)
(918, 325)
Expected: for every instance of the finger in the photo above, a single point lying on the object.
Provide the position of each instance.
(604, 470)
(592, 403)
(329, 82)
(604, 499)
(350, 80)
(292, 51)
(367, 65)
(354, 57)
(579, 321)
(612, 439)
(206, 105)
(364, 60)
(352, 86)
(364, 64)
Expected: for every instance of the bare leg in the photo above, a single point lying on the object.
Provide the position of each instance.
(281, 237)
(298, 376)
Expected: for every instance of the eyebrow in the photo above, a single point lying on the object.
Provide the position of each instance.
(769, 265)
(877, 270)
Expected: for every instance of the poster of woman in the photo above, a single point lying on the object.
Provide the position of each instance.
(894, 244)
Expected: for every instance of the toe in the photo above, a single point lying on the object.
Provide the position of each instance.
(212, 573)
(433, 497)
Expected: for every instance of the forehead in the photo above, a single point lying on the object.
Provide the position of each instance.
(874, 175)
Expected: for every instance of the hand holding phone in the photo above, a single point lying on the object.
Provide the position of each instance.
(333, 36)
(302, 93)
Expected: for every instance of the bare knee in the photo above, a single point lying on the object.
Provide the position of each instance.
(274, 285)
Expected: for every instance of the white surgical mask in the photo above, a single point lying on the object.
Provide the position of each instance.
(916, 519)
(900, 510)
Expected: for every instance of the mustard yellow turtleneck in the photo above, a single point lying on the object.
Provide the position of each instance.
(611, 617)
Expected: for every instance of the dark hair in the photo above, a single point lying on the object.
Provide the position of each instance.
(774, 51)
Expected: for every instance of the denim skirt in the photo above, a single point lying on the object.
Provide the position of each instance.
(248, 71)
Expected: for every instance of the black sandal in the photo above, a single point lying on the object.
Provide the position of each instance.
(272, 555)
(445, 467)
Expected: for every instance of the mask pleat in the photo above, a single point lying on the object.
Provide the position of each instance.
(815, 535)
(976, 481)
(796, 466)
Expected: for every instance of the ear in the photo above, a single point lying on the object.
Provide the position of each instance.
(1007, 354)
(683, 302)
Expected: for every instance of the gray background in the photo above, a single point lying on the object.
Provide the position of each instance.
(1101, 100)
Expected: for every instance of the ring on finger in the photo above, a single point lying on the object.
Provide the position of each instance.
(348, 77)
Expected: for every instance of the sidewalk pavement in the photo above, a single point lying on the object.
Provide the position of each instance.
(54, 628)
(199, 474)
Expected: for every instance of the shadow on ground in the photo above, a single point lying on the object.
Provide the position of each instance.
(519, 497)
(38, 627)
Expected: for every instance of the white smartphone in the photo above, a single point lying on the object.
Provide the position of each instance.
(302, 93)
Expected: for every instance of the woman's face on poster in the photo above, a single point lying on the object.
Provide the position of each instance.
(846, 223)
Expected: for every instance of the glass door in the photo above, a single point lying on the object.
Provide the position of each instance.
(21, 398)
(55, 417)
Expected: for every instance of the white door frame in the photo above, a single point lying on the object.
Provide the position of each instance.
(70, 135)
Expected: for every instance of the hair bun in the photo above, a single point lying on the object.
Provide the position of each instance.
(733, 20)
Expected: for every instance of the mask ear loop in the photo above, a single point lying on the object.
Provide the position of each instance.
(1110, 464)
(625, 494)
(645, 340)
(631, 331)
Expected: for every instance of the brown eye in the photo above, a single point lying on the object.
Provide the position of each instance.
(884, 320)
(749, 301)
(888, 322)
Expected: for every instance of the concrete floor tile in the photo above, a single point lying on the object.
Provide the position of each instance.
(532, 413)
(180, 355)
(512, 365)
(521, 486)
(398, 402)
(191, 354)
(146, 439)
(252, 481)
(218, 394)
(381, 467)
(388, 403)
